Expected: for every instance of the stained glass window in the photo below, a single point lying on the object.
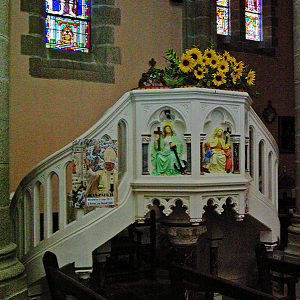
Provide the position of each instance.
(68, 24)
(223, 20)
(253, 20)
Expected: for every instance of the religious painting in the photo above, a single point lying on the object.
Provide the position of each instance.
(286, 136)
(166, 156)
(67, 25)
(94, 173)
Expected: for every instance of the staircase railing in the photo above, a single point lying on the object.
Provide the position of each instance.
(184, 278)
(263, 169)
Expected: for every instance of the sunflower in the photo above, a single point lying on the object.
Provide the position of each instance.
(204, 61)
(209, 53)
(240, 65)
(235, 75)
(214, 61)
(219, 78)
(199, 73)
(226, 56)
(186, 64)
(250, 77)
(195, 53)
(232, 61)
(223, 66)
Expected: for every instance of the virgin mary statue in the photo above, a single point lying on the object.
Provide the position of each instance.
(218, 146)
(163, 157)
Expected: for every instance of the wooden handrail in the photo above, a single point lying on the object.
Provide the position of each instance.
(284, 267)
(61, 284)
(289, 272)
(183, 278)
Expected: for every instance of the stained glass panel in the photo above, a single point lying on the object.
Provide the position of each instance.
(222, 16)
(253, 6)
(67, 25)
(253, 21)
(223, 3)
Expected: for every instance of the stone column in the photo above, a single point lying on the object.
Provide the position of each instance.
(293, 247)
(12, 280)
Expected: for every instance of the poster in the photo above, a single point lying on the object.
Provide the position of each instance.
(94, 173)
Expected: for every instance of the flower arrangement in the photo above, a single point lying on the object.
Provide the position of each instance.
(206, 69)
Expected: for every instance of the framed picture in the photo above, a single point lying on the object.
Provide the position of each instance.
(286, 136)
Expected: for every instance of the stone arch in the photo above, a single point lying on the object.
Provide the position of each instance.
(218, 116)
(180, 125)
(261, 166)
(167, 203)
(122, 147)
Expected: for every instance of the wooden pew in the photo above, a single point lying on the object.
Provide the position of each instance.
(61, 285)
(289, 272)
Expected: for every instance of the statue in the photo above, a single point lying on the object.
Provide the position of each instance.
(207, 155)
(218, 146)
(167, 152)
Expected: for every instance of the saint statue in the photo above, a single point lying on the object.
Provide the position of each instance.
(164, 152)
(218, 145)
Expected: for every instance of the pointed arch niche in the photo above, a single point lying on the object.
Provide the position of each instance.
(155, 124)
(220, 117)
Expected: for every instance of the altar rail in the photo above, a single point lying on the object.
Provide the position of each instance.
(40, 208)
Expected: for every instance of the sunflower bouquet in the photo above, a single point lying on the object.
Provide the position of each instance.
(206, 69)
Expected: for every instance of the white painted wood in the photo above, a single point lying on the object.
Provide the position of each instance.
(197, 113)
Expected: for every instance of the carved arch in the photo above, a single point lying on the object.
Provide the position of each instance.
(179, 119)
(106, 137)
(221, 116)
(222, 204)
(168, 203)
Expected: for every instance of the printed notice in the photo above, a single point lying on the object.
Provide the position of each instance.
(94, 173)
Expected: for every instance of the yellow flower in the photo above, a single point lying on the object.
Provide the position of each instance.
(250, 77)
(199, 73)
(223, 66)
(219, 78)
(240, 65)
(214, 61)
(195, 53)
(232, 61)
(186, 63)
(235, 75)
(209, 53)
(204, 61)
(226, 56)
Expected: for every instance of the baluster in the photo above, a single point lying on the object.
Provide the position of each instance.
(187, 138)
(62, 199)
(145, 151)
(236, 153)
(36, 214)
(48, 219)
(202, 140)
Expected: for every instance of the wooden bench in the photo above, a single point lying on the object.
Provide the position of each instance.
(61, 285)
(183, 279)
(287, 273)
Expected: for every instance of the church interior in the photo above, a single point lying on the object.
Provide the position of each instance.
(150, 149)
